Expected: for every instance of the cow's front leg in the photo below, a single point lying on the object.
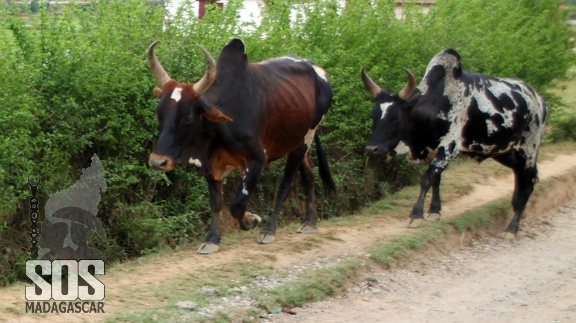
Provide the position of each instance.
(211, 244)
(430, 179)
(250, 178)
(436, 205)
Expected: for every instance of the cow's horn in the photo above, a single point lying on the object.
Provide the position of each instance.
(406, 92)
(156, 67)
(204, 84)
(370, 84)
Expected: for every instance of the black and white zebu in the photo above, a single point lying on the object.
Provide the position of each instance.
(453, 112)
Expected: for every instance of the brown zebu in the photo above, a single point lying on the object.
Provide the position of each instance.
(243, 116)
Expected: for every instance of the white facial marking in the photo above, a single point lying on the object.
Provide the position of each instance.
(384, 107)
(176, 94)
(195, 162)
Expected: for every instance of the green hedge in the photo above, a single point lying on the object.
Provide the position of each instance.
(75, 82)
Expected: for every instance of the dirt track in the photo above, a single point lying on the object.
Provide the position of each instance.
(121, 281)
(531, 279)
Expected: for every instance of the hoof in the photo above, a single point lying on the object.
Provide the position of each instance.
(307, 228)
(433, 217)
(254, 219)
(507, 235)
(207, 248)
(249, 221)
(265, 238)
(415, 223)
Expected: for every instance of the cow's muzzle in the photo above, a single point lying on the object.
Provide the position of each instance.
(160, 162)
(378, 151)
(375, 150)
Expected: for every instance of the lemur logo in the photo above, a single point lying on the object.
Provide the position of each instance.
(66, 266)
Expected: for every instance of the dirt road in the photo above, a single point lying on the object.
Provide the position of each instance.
(403, 295)
(531, 279)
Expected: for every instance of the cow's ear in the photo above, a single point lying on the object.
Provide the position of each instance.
(212, 113)
(216, 115)
(157, 92)
(413, 99)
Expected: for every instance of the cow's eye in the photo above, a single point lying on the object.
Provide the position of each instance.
(186, 119)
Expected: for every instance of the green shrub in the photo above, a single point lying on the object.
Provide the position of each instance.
(564, 125)
(76, 82)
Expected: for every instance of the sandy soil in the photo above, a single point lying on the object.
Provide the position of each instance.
(120, 281)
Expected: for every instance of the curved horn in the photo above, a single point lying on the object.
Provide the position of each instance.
(155, 65)
(206, 81)
(406, 92)
(370, 84)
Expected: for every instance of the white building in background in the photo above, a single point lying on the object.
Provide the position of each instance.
(251, 11)
(424, 5)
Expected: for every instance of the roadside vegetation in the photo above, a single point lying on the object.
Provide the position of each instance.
(315, 284)
(75, 82)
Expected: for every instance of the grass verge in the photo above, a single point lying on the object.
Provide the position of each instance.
(311, 287)
(488, 216)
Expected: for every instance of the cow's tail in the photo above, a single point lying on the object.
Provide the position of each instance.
(323, 168)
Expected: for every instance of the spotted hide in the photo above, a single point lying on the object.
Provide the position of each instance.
(453, 112)
(244, 116)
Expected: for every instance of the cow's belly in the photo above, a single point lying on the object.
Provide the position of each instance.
(277, 145)
(482, 137)
(286, 133)
(482, 150)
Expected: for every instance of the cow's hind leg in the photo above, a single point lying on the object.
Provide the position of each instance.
(309, 223)
(524, 180)
(523, 188)
(211, 244)
(293, 162)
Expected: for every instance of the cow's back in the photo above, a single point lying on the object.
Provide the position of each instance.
(499, 114)
(290, 87)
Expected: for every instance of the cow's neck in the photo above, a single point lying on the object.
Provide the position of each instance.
(419, 138)
(211, 136)
(197, 152)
